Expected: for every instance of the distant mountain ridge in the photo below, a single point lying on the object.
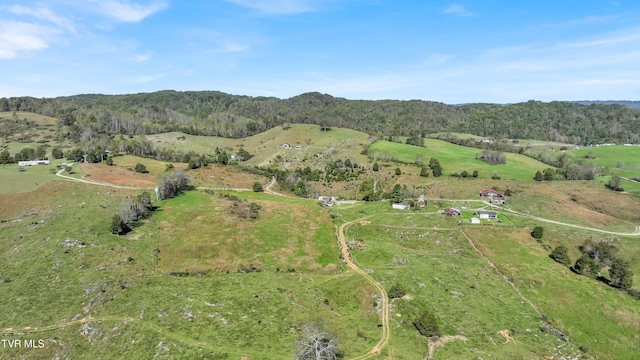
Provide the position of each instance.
(220, 114)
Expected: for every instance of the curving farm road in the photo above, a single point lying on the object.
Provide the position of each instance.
(383, 293)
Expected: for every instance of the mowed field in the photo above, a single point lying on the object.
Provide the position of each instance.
(455, 159)
(13, 180)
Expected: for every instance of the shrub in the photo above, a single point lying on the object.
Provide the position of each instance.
(561, 254)
(426, 324)
(537, 232)
(118, 226)
(396, 291)
(140, 168)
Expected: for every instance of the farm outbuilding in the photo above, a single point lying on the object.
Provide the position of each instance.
(33, 163)
(400, 206)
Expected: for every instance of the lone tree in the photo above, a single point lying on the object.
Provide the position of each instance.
(257, 187)
(317, 344)
(376, 167)
(398, 171)
(538, 176)
(140, 168)
(561, 254)
(537, 232)
(621, 276)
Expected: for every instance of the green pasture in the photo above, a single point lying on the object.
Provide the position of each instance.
(594, 316)
(59, 264)
(621, 160)
(13, 180)
(455, 159)
(444, 274)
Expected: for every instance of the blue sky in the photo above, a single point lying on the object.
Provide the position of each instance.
(453, 52)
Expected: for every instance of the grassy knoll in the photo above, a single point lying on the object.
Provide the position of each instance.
(595, 316)
(444, 274)
(455, 158)
(14, 181)
(60, 265)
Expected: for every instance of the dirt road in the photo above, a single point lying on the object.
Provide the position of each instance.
(385, 298)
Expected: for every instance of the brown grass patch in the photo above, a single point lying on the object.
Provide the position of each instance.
(116, 175)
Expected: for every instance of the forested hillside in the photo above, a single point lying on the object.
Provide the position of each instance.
(220, 114)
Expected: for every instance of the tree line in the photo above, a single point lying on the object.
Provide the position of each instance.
(220, 114)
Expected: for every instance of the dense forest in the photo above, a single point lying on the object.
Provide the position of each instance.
(221, 114)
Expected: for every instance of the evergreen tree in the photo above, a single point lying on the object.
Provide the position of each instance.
(257, 187)
(561, 254)
(427, 324)
(424, 172)
(397, 195)
(537, 232)
(621, 275)
(585, 265)
(375, 166)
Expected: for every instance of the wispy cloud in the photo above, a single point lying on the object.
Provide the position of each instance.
(18, 37)
(457, 9)
(126, 11)
(42, 14)
(234, 47)
(276, 7)
(141, 57)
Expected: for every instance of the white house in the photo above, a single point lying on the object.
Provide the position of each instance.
(483, 214)
(286, 146)
(33, 163)
(400, 206)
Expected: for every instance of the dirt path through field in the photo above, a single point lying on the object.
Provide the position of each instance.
(385, 299)
(268, 190)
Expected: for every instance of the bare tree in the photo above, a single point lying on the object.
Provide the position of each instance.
(317, 344)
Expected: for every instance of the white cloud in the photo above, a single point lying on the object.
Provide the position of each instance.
(18, 37)
(42, 14)
(234, 47)
(457, 9)
(141, 58)
(126, 11)
(276, 7)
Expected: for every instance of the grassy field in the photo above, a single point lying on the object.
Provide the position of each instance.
(14, 181)
(60, 265)
(621, 160)
(439, 267)
(455, 158)
(443, 273)
(601, 319)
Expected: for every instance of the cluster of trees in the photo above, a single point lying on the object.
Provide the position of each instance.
(25, 154)
(465, 174)
(131, 211)
(492, 157)
(173, 184)
(615, 183)
(597, 255)
(436, 168)
(339, 170)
